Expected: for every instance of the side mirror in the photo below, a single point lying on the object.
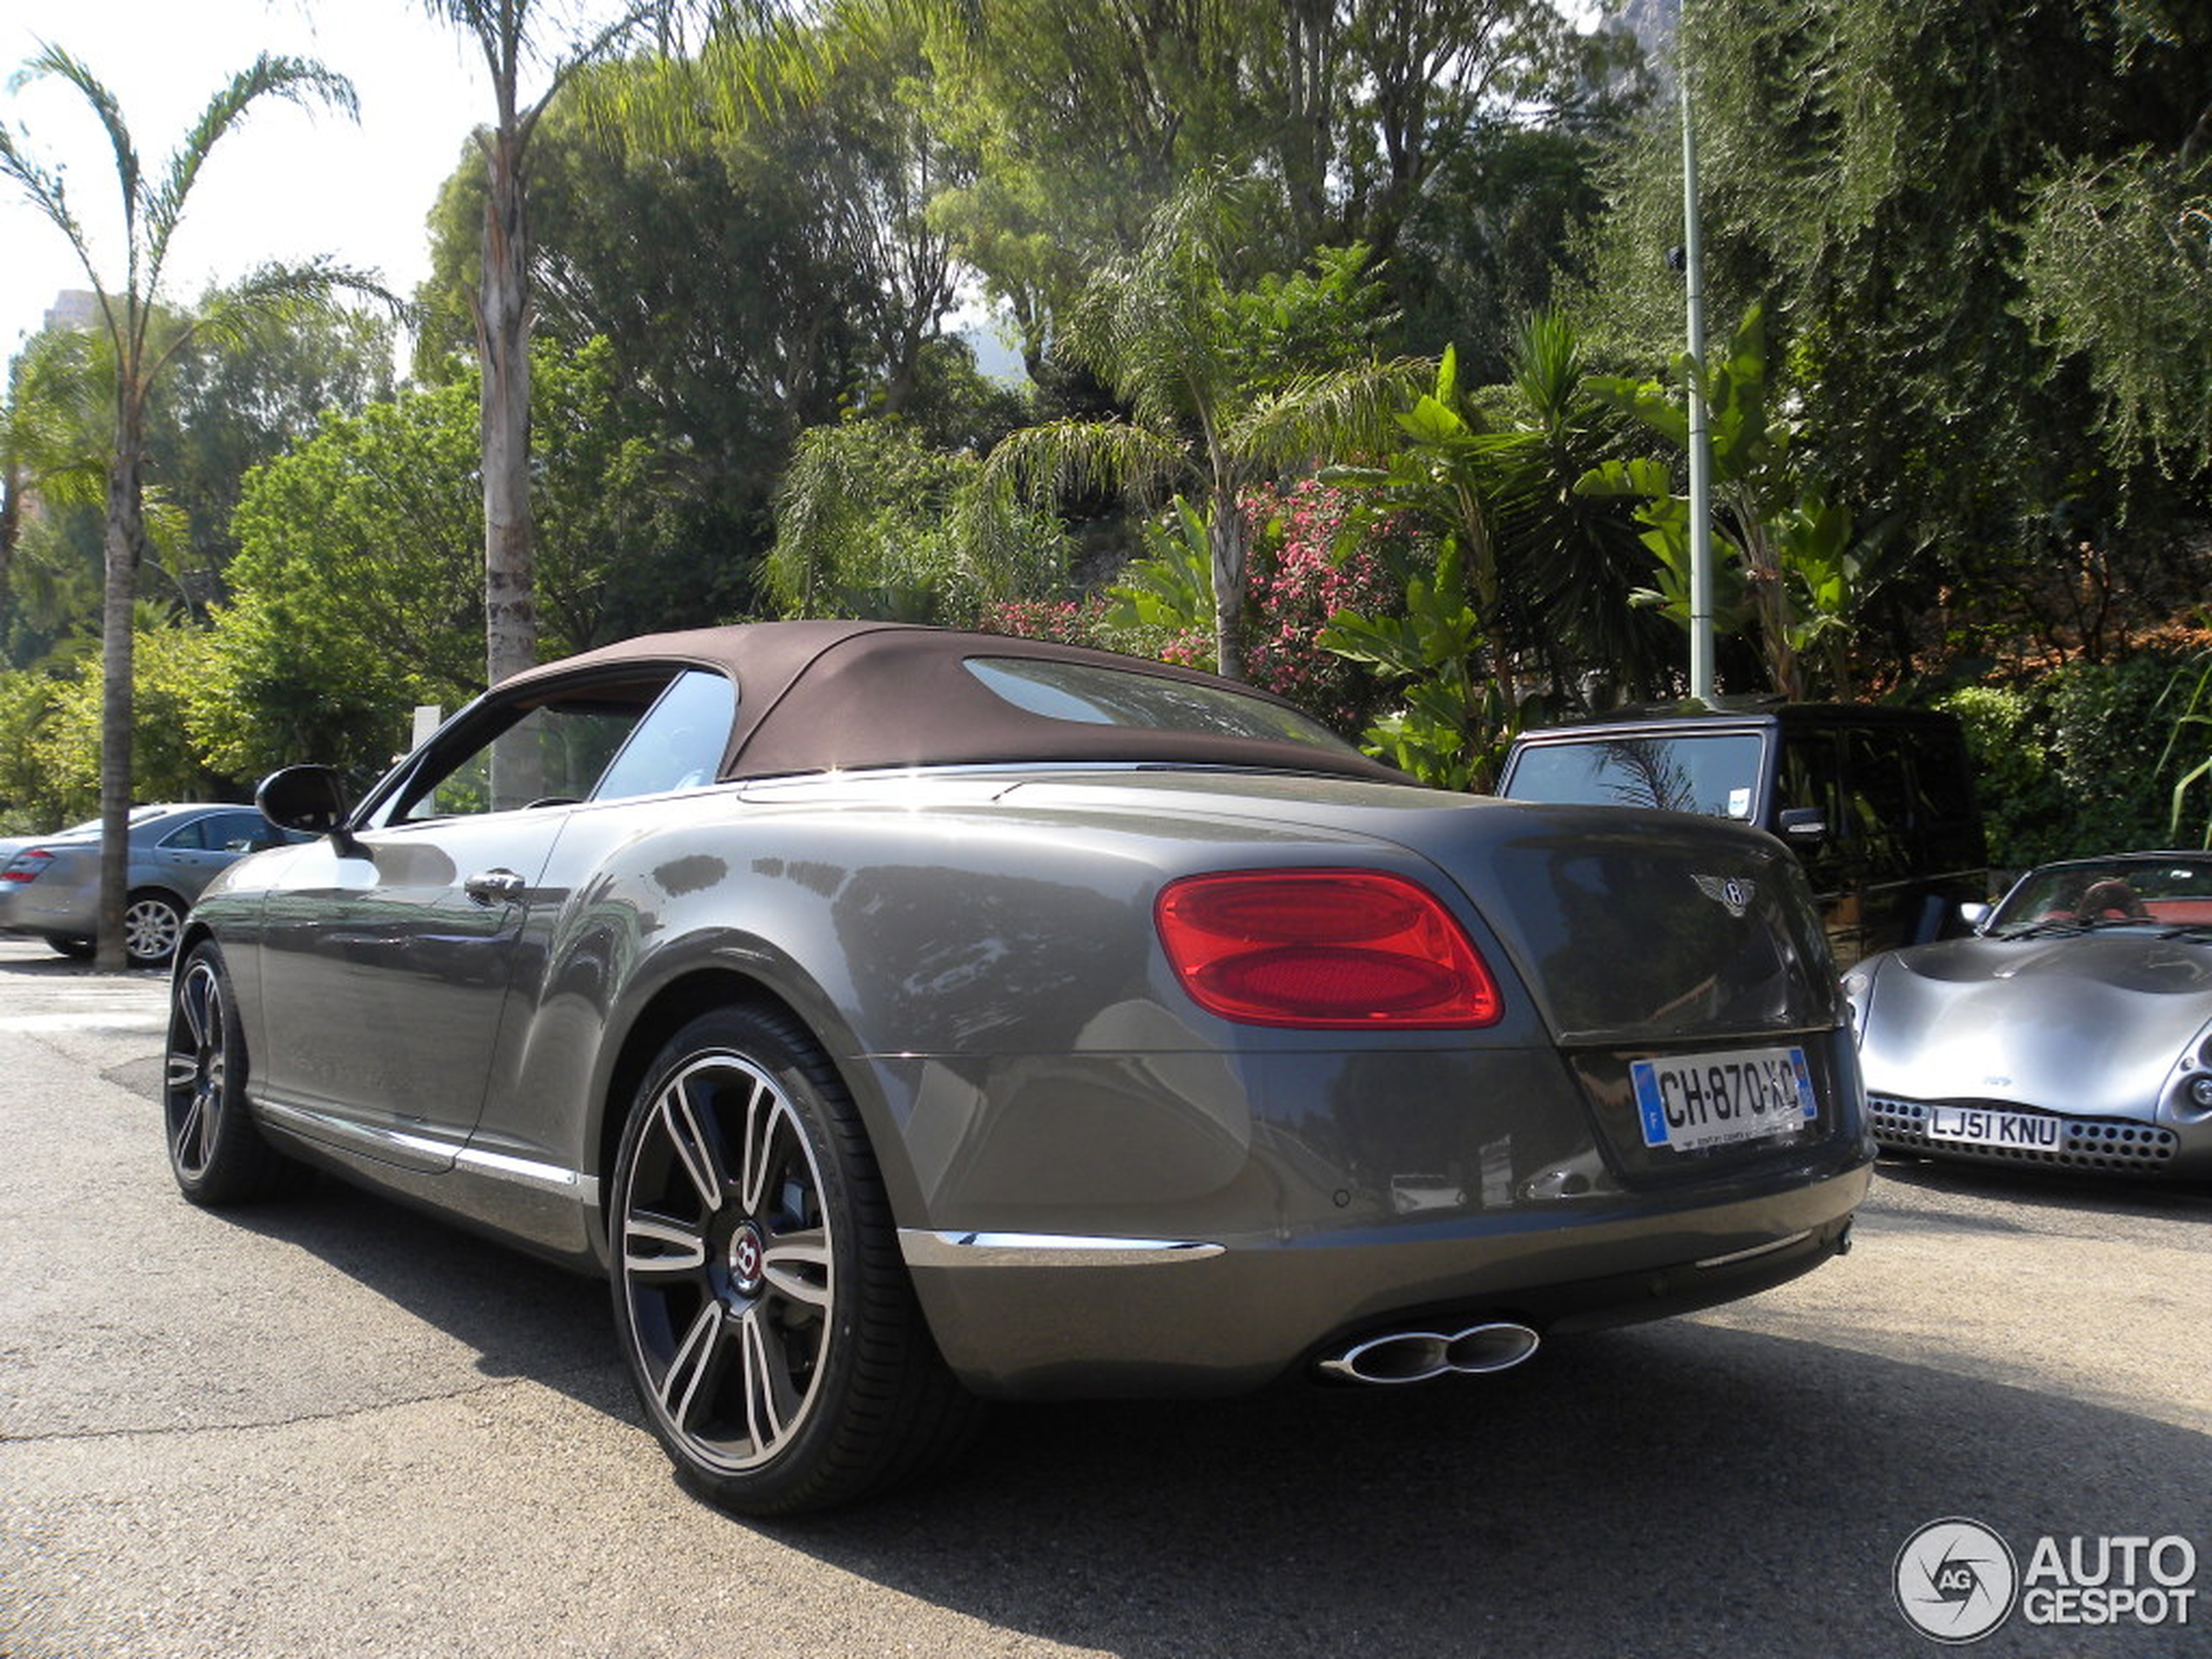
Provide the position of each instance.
(1802, 826)
(303, 798)
(1976, 916)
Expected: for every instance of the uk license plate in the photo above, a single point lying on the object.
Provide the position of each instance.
(1975, 1126)
(1690, 1100)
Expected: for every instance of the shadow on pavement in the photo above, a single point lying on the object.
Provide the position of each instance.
(1673, 1488)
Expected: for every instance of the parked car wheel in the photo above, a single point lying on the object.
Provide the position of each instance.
(762, 1305)
(216, 1153)
(77, 950)
(153, 922)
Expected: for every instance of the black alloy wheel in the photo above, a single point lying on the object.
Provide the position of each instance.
(767, 1320)
(215, 1151)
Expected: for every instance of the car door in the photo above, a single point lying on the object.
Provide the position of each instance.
(183, 860)
(387, 951)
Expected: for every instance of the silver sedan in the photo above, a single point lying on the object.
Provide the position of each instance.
(49, 887)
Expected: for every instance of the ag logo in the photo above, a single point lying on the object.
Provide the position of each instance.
(1955, 1580)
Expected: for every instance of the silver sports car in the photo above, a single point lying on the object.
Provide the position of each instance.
(2075, 1031)
(897, 1017)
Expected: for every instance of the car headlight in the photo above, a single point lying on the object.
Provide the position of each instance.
(1859, 990)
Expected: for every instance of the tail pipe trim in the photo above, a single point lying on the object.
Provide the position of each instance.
(1417, 1356)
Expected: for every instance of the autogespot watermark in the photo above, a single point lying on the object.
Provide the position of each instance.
(1957, 1580)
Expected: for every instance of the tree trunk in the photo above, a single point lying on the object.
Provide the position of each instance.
(125, 541)
(1225, 536)
(502, 344)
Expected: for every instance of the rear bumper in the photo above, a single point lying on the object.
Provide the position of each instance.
(1026, 1316)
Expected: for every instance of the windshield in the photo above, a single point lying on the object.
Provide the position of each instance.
(2169, 892)
(1710, 773)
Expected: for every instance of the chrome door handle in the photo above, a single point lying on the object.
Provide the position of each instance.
(494, 886)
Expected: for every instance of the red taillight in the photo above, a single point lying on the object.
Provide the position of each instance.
(1341, 949)
(27, 866)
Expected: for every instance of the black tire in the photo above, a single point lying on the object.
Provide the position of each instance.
(215, 1150)
(766, 1318)
(77, 950)
(153, 922)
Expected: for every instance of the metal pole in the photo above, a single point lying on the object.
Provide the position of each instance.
(1701, 452)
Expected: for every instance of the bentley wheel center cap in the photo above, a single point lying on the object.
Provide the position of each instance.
(748, 1256)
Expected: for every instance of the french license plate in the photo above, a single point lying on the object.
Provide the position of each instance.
(1978, 1127)
(1694, 1100)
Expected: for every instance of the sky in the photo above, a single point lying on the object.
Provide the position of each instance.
(287, 184)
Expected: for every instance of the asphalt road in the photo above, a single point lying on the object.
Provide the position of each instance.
(330, 1426)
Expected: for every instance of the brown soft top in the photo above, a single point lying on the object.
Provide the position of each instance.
(824, 696)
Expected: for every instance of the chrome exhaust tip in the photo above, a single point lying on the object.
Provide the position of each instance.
(1419, 1356)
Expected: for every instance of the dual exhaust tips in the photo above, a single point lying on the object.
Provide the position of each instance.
(1417, 1356)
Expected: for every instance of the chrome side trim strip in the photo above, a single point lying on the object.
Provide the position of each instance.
(546, 1178)
(374, 1139)
(1767, 1249)
(923, 1248)
(397, 1146)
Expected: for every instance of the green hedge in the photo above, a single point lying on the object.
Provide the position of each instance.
(2075, 760)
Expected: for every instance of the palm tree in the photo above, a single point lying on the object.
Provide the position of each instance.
(501, 30)
(1170, 337)
(152, 206)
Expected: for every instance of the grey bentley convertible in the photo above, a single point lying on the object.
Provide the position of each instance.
(897, 1017)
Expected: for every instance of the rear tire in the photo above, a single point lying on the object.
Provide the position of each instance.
(763, 1308)
(215, 1149)
(153, 922)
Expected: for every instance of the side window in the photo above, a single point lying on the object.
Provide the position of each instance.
(1810, 774)
(551, 749)
(191, 836)
(679, 743)
(1880, 796)
(241, 832)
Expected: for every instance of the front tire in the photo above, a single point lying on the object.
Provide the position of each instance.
(766, 1319)
(153, 922)
(215, 1150)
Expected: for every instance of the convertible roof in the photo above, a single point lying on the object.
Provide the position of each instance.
(824, 696)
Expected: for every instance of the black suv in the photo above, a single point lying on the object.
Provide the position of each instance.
(1879, 803)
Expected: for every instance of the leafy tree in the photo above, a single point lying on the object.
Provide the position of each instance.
(355, 591)
(1076, 122)
(1190, 354)
(1874, 171)
(152, 208)
(1799, 572)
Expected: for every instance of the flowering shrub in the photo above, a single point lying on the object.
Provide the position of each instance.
(1295, 579)
(1072, 622)
(1301, 574)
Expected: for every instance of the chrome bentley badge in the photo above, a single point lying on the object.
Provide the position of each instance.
(1733, 892)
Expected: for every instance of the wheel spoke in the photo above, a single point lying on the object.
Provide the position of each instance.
(657, 1246)
(767, 1392)
(764, 1113)
(190, 1134)
(689, 1384)
(192, 997)
(689, 1139)
(797, 1267)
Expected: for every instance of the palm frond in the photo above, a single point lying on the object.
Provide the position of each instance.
(1045, 464)
(56, 61)
(297, 80)
(1345, 413)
